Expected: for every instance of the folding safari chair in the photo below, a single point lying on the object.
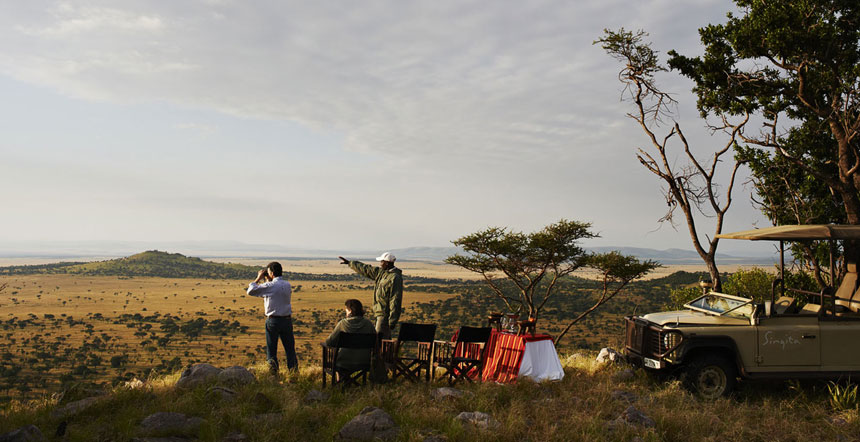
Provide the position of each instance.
(412, 351)
(463, 357)
(346, 376)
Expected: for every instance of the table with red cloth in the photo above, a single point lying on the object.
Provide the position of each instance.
(509, 356)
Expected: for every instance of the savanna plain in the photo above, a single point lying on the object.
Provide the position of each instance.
(67, 335)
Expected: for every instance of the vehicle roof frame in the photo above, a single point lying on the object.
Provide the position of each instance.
(800, 232)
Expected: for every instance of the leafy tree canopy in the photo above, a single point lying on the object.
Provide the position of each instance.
(795, 65)
(532, 264)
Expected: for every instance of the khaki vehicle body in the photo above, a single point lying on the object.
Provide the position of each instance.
(720, 337)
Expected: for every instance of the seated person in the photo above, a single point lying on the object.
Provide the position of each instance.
(351, 359)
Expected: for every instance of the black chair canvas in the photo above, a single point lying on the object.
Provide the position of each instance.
(411, 353)
(353, 375)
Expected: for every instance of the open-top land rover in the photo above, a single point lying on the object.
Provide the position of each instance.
(719, 337)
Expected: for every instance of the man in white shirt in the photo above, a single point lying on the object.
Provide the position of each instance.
(276, 293)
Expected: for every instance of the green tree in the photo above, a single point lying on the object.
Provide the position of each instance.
(795, 65)
(532, 264)
(524, 260)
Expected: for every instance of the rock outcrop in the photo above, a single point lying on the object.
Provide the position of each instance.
(609, 355)
(170, 424)
(371, 424)
(196, 375)
(480, 420)
(30, 433)
(235, 375)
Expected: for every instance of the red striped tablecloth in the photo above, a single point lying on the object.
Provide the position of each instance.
(504, 355)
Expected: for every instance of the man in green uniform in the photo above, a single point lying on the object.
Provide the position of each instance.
(388, 294)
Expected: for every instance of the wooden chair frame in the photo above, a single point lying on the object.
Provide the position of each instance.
(412, 351)
(461, 357)
(341, 376)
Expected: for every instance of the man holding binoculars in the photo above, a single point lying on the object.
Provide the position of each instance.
(276, 293)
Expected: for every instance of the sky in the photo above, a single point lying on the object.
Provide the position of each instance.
(333, 125)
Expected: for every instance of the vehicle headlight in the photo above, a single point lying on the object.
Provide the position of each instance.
(670, 340)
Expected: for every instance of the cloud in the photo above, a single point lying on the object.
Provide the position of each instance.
(466, 113)
(402, 79)
(203, 129)
(69, 20)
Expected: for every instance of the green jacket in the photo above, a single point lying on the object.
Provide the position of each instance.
(351, 357)
(388, 295)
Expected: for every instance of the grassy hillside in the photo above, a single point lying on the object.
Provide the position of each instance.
(584, 406)
(155, 263)
(164, 264)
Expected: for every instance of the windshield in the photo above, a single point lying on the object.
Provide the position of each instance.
(722, 305)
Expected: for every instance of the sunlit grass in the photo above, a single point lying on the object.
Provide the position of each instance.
(579, 407)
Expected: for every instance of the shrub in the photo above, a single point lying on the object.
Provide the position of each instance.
(842, 398)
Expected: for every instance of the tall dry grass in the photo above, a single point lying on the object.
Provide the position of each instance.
(580, 407)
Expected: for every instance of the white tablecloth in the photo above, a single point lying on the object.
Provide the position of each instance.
(540, 362)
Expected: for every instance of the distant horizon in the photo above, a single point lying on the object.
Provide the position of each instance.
(97, 250)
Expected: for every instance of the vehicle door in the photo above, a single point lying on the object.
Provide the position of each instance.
(840, 342)
(789, 340)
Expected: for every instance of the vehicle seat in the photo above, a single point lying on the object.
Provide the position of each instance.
(810, 308)
(785, 305)
(846, 295)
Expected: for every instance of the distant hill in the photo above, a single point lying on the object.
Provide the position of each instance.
(164, 264)
(87, 250)
(159, 264)
(669, 256)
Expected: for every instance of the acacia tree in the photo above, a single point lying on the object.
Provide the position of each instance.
(691, 186)
(532, 264)
(795, 65)
(525, 260)
(616, 271)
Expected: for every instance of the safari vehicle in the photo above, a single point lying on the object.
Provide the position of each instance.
(720, 337)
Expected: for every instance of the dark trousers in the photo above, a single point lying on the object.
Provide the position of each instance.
(382, 328)
(280, 328)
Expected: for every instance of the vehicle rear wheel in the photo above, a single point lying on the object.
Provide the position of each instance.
(710, 376)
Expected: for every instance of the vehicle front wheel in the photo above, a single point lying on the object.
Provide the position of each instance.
(710, 376)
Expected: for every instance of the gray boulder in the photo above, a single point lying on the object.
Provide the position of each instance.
(624, 396)
(316, 396)
(479, 420)
(838, 421)
(371, 424)
(448, 393)
(196, 375)
(170, 424)
(235, 436)
(76, 407)
(267, 419)
(609, 355)
(160, 439)
(261, 403)
(30, 433)
(221, 393)
(235, 375)
(632, 416)
(624, 375)
(434, 438)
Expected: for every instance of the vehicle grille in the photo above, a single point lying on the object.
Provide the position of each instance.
(635, 334)
(655, 340)
(644, 338)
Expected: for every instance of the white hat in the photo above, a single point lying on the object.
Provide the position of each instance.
(386, 257)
